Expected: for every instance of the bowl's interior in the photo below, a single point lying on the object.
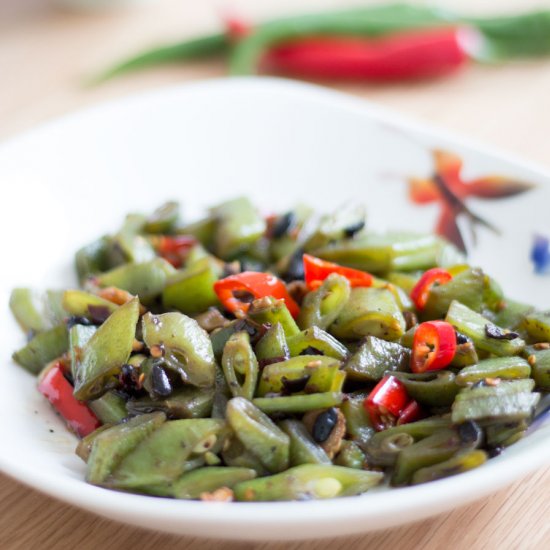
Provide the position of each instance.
(279, 143)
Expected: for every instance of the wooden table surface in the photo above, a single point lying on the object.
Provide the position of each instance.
(45, 54)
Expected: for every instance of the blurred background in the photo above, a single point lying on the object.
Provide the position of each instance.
(50, 48)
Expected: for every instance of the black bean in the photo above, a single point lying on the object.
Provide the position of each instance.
(78, 320)
(492, 331)
(99, 313)
(495, 451)
(243, 296)
(295, 385)
(310, 350)
(295, 269)
(269, 361)
(283, 225)
(160, 383)
(129, 379)
(324, 424)
(461, 338)
(254, 330)
(411, 320)
(470, 432)
(354, 228)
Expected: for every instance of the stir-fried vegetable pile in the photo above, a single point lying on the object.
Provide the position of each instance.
(288, 357)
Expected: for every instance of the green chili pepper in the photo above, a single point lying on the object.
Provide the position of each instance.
(370, 21)
(466, 287)
(222, 394)
(191, 290)
(358, 423)
(308, 481)
(321, 307)
(83, 304)
(401, 297)
(111, 445)
(272, 346)
(316, 373)
(205, 480)
(519, 35)
(163, 456)
(405, 281)
(303, 449)
(259, 434)
(537, 326)
(219, 337)
(36, 312)
(434, 449)
(269, 311)
(79, 335)
(238, 226)
(540, 371)
(507, 402)
(203, 230)
(298, 403)
(188, 402)
(129, 244)
(333, 227)
(110, 408)
(434, 389)
(350, 456)
(369, 311)
(374, 357)
(383, 253)
(465, 355)
(236, 455)
(511, 314)
(195, 48)
(478, 328)
(505, 434)
(461, 462)
(384, 447)
(186, 346)
(84, 447)
(508, 368)
(105, 353)
(146, 280)
(163, 219)
(319, 340)
(43, 348)
(93, 258)
(240, 365)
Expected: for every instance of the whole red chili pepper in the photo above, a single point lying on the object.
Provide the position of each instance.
(406, 55)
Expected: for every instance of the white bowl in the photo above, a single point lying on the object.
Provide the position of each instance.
(280, 142)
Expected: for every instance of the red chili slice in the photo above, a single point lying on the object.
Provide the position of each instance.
(434, 346)
(421, 291)
(174, 248)
(233, 291)
(411, 413)
(317, 270)
(386, 402)
(59, 392)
